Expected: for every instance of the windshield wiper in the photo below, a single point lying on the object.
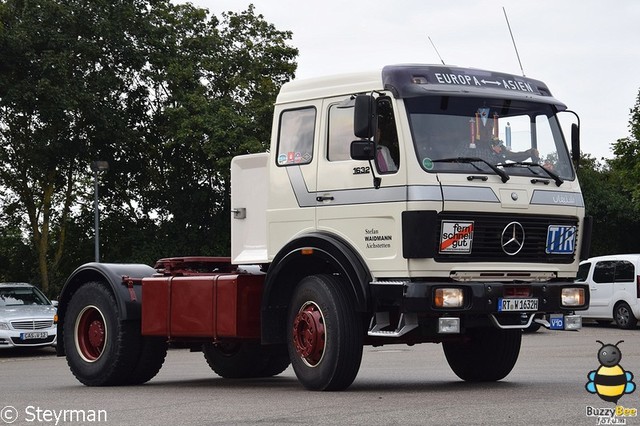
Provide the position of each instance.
(558, 180)
(470, 160)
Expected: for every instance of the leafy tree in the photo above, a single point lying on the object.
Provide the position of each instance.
(215, 85)
(611, 191)
(166, 93)
(615, 221)
(16, 257)
(627, 157)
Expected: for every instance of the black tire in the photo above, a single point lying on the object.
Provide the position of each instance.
(623, 316)
(325, 334)
(152, 355)
(489, 354)
(278, 361)
(242, 360)
(101, 349)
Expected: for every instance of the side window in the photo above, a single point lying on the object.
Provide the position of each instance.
(295, 136)
(388, 147)
(583, 272)
(604, 272)
(340, 133)
(624, 272)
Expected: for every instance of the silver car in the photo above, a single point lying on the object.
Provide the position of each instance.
(27, 317)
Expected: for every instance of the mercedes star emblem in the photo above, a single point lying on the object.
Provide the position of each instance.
(512, 238)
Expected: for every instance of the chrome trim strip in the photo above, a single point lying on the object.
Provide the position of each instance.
(424, 193)
(555, 198)
(366, 196)
(299, 186)
(469, 193)
(496, 323)
(388, 194)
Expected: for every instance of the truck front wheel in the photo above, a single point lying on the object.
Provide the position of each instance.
(325, 336)
(488, 355)
(102, 349)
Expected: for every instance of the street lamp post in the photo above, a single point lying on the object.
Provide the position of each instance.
(97, 166)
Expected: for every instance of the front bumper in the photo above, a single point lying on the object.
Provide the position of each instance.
(14, 338)
(480, 298)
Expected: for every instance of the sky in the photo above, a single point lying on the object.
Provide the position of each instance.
(586, 51)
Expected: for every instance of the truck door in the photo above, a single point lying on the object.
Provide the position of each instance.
(348, 204)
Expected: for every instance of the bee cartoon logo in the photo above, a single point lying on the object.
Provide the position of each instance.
(610, 381)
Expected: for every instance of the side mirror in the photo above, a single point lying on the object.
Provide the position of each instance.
(363, 123)
(363, 150)
(575, 143)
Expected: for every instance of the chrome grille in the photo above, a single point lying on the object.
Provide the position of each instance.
(32, 324)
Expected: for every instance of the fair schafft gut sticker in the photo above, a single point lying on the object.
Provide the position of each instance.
(456, 237)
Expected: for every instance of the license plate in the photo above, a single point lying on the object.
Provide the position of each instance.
(515, 305)
(34, 335)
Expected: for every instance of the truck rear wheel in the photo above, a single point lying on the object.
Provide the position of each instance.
(101, 348)
(325, 335)
(242, 360)
(152, 355)
(489, 355)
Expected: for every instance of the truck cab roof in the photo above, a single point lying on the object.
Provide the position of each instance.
(410, 80)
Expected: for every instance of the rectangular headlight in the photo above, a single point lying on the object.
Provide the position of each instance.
(572, 322)
(448, 298)
(448, 325)
(573, 296)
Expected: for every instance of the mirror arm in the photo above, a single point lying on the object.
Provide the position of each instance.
(377, 180)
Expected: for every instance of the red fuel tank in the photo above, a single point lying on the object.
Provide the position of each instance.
(202, 306)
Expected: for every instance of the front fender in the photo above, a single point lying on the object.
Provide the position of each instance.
(327, 254)
(112, 275)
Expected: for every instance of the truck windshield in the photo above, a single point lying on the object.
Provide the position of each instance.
(502, 132)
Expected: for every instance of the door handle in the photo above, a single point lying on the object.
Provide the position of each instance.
(321, 198)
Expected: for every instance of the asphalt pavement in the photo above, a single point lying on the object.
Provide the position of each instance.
(397, 384)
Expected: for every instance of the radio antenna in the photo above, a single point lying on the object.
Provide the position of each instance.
(436, 49)
(513, 40)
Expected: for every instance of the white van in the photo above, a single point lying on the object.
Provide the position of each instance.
(614, 284)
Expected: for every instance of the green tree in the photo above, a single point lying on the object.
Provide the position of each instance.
(166, 93)
(627, 157)
(615, 221)
(216, 84)
(16, 257)
(611, 190)
(56, 87)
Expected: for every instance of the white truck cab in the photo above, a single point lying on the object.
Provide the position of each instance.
(444, 199)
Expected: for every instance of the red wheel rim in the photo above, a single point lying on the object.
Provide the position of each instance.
(91, 333)
(309, 333)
